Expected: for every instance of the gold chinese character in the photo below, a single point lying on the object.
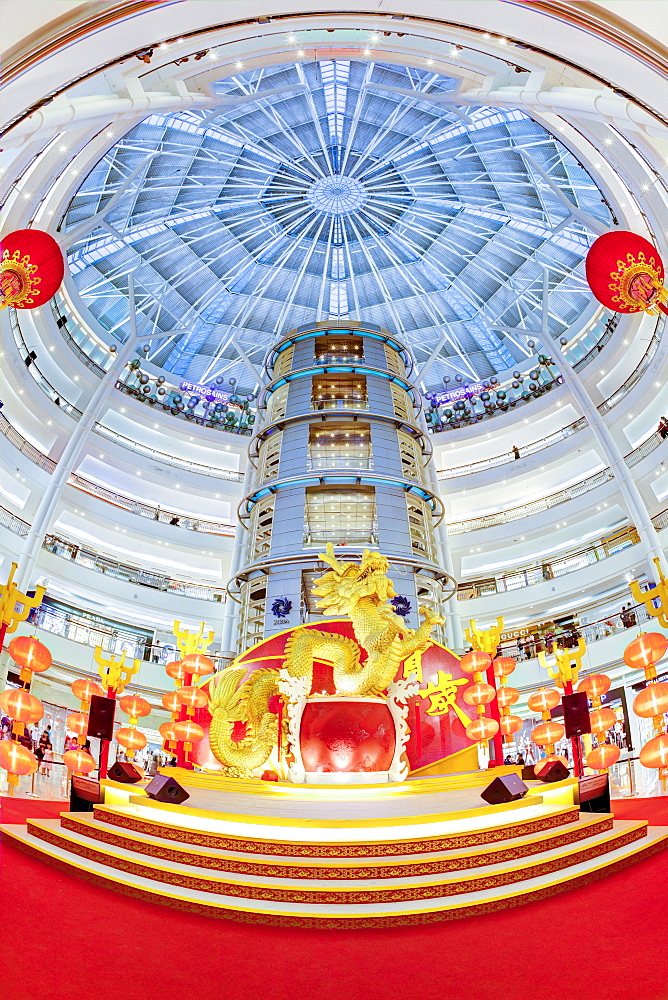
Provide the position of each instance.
(443, 696)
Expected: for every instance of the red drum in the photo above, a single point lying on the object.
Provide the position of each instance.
(347, 736)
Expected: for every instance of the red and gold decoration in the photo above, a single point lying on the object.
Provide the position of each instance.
(652, 702)
(625, 273)
(603, 756)
(655, 599)
(487, 727)
(188, 696)
(114, 674)
(10, 596)
(31, 269)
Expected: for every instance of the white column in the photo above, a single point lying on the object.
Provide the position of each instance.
(47, 506)
(628, 488)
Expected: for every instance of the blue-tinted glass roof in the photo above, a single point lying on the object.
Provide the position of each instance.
(337, 190)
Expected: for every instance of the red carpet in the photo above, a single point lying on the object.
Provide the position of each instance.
(14, 810)
(66, 940)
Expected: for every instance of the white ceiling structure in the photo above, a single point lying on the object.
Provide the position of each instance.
(337, 190)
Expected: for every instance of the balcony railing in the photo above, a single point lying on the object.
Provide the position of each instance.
(533, 507)
(14, 523)
(24, 446)
(551, 570)
(164, 458)
(130, 574)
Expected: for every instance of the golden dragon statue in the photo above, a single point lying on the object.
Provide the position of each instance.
(359, 590)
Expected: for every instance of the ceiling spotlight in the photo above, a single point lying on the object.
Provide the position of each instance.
(367, 52)
(430, 62)
(239, 65)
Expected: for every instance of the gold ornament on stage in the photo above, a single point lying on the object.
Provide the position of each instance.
(361, 591)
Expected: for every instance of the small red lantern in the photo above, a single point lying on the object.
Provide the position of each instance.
(475, 662)
(192, 696)
(646, 650)
(594, 686)
(131, 740)
(176, 670)
(21, 706)
(653, 700)
(603, 756)
(507, 696)
(510, 724)
(654, 753)
(482, 728)
(625, 273)
(171, 701)
(78, 761)
(166, 730)
(198, 664)
(602, 719)
(77, 722)
(189, 732)
(503, 666)
(16, 759)
(30, 654)
(134, 706)
(547, 733)
(84, 689)
(543, 700)
(32, 269)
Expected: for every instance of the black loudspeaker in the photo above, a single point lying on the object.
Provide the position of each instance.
(528, 773)
(84, 794)
(506, 788)
(554, 771)
(101, 717)
(125, 772)
(576, 714)
(163, 788)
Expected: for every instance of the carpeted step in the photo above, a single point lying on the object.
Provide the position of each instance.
(240, 863)
(304, 906)
(308, 888)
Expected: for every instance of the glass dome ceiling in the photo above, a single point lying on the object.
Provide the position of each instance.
(336, 190)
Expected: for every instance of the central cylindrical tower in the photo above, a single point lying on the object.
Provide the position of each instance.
(339, 457)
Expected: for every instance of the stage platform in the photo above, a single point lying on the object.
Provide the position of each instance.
(413, 852)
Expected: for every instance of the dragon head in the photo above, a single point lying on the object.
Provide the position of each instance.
(346, 583)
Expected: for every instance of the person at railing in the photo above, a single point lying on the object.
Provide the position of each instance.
(516, 451)
(663, 427)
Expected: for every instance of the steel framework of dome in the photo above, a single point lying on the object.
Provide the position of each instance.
(336, 190)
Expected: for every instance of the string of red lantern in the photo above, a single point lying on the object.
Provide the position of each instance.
(31, 269)
(479, 694)
(652, 702)
(604, 755)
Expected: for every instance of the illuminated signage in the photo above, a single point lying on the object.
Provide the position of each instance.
(464, 392)
(206, 391)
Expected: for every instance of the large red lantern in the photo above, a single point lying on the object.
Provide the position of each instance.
(198, 664)
(21, 706)
(77, 722)
(131, 739)
(475, 662)
(547, 734)
(30, 654)
(603, 756)
(171, 701)
(482, 729)
(646, 650)
(16, 759)
(503, 666)
(135, 706)
(189, 732)
(84, 689)
(479, 694)
(78, 761)
(166, 730)
(654, 753)
(507, 696)
(625, 273)
(651, 701)
(510, 724)
(176, 670)
(192, 696)
(32, 269)
(594, 686)
(601, 719)
(543, 700)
